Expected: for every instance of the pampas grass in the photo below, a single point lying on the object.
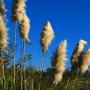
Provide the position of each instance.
(22, 77)
(77, 53)
(47, 36)
(3, 39)
(3, 34)
(24, 28)
(58, 62)
(18, 10)
(19, 15)
(85, 61)
(3, 45)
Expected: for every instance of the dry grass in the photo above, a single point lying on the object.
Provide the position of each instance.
(85, 62)
(24, 28)
(47, 36)
(18, 10)
(3, 34)
(75, 58)
(58, 62)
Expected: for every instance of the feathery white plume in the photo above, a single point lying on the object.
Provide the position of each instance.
(77, 53)
(18, 10)
(24, 28)
(58, 62)
(85, 61)
(47, 36)
(3, 34)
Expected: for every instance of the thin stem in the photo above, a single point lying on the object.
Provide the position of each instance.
(42, 61)
(67, 83)
(24, 80)
(42, 69)
(32, 84)
(24, 66)
(75, 79)
(3, 68)
(14, 80)
(39, 86)
(21, 65)
(3, 74)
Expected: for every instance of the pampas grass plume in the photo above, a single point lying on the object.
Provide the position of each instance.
(58, 62)
(47, 36)
(85, 61)
(3, 34)
(77, 52)
(24, 28)
(18, 10)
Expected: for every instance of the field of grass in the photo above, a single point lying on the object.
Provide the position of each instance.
(14, 75)
(32, 81)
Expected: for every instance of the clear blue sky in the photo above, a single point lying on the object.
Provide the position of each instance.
(70, 20)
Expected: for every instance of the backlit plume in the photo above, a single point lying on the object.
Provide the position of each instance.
(24, 28)
(85, 61)
(3, 34)
(47, 36)
(58, 62)
(77, 53)
(18, 10)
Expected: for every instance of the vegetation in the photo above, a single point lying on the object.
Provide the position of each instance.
(14, 75)
(33, 80)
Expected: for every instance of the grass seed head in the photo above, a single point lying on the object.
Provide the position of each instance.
(18, 10)
(77, 53)
(58, 62)
(85, 61)
(3, 34)
(47, 36)
(24, 28)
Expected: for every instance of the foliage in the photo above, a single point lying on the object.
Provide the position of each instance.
(33, 81)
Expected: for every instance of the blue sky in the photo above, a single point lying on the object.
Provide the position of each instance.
(70, 20)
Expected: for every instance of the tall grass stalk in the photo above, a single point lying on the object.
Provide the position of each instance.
(21, 68)
(39, 88)
(32, 84)
(47, 35)
(42, 63)
(19, 15)
(14, 79)
(24, 66)
(75, 79)
(3, 45)
(3, 74)
(25, 81)
(67, 83)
